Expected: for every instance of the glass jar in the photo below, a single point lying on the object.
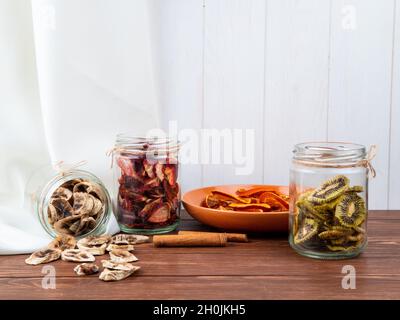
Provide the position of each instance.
(69, 201)
(329, 200)
(147, 193)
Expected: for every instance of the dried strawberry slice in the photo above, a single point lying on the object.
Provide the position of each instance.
(170, 173)
(136, 197)
(150, 208)
(153, 183)
(171, 191)
(149, 168)
(159, 167)
(156, 193)
(126, 166)
(161, 214)
(138, 167)
(126, 205)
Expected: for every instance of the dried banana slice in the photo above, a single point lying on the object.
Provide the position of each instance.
(98, 240)
(86, 269)
(89, 188)
(77, 255)
(126, 247)
(121, 256)
(121, 239)
(97, 206)
(62, 193)
(53, 214)
(63, 242)
(83, 186)
(75, 226)
(117, 266)
(71, 183)
(63, 226)
(80, 198)
(43, 256)
(86, 224)
(63, 207)
(83, 203)
(116, 275)
(96, 245)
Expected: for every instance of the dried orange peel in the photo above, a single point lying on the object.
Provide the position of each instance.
(259, 199)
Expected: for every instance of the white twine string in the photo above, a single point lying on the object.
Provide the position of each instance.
(373, 150)
(63, 168)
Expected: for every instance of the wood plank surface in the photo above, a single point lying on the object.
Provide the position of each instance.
(264, 268)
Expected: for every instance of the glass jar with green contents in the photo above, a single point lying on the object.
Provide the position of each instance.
(329, 199)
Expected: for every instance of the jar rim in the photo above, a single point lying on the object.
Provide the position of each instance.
(142, 144)
(329, 152)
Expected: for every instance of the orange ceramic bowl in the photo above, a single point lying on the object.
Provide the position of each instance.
(235, 221)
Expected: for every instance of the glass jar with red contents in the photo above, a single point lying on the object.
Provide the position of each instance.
(147, 194)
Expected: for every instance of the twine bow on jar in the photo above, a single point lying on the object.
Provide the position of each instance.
(373, 150)
(63, 168)
(111, 153)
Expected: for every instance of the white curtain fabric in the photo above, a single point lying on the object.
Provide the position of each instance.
(73, 74)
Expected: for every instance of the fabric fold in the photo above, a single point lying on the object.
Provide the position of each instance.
(74, 73)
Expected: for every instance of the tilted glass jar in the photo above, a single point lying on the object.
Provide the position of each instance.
(69, 201)
(147, 193)
(329, 200)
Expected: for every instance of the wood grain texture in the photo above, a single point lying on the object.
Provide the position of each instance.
(234, 82)
(265, 268)
(360, 81)
(296, 81)
(394, 167)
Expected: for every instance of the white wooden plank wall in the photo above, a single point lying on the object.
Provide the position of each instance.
(296, 84)
(360, 81)
(234, 78)
(394, 168)
(178, 34)
(292, 70)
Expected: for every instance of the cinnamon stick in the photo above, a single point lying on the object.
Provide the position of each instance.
(231, 237)
(191, 240)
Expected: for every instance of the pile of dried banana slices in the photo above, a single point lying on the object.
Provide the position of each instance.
(76, 207)
(119, 248)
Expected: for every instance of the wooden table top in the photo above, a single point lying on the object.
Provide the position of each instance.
(265, 268)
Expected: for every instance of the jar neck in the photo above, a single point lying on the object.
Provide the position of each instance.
(151, 147)
(329, 154)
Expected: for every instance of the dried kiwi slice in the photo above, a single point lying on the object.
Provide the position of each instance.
(327, 207)
(341, 248)
(351, 210)
(330, 190)
(307, 229)
(356, 238)
(332, 234)
(339, 242)
(309, 210)
(357, 189)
